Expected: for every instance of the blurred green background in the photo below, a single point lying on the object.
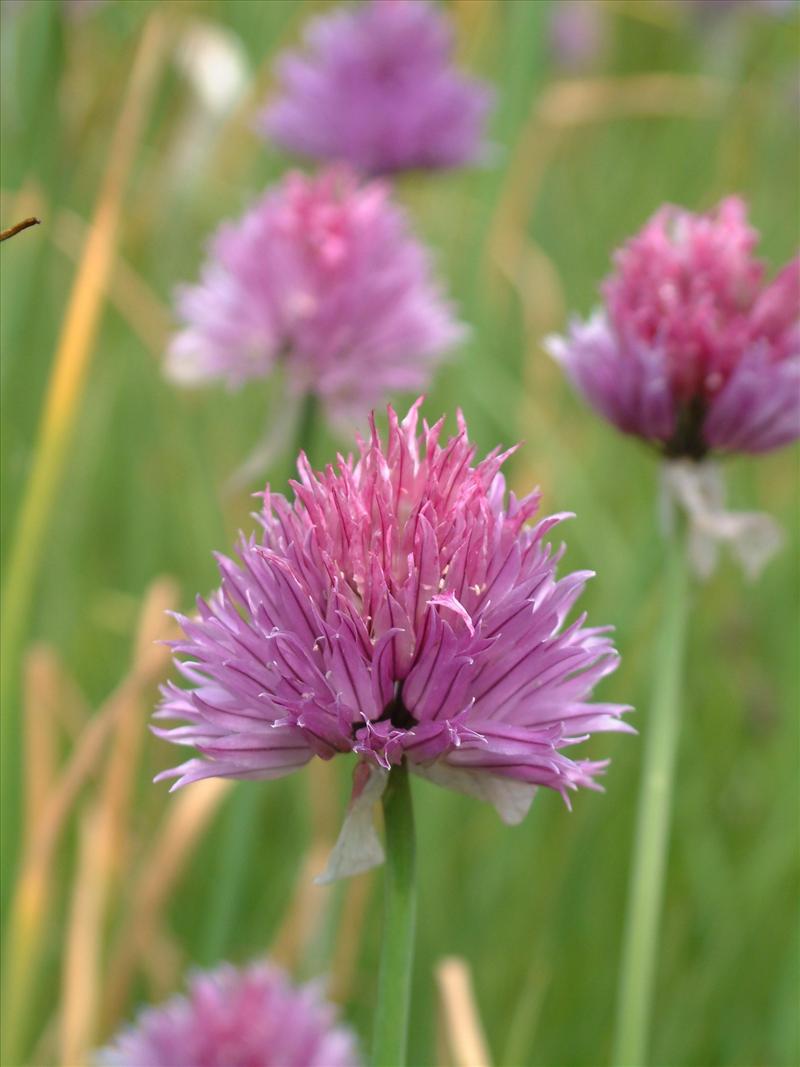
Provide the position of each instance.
(672, 105)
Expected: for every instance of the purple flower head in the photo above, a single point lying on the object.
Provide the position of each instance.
(694, 350)
(759, 7)
(400, 607)
(322, 275)
(578, 33)
(252, 1017)
(376, 87)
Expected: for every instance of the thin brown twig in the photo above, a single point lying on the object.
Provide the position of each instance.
(12, 231)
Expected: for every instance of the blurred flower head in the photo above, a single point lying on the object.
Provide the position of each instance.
(400, 607)
(694, 349)
(760, 7)
(578, 33)
(253, 1017)
(377, 88)
(323, 276)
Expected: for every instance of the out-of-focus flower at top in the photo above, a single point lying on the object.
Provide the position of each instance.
(578, 33)
(376, 87)
(694, 349)
(758, 7)
(322, 276)
(236, 1018)
(399, 608)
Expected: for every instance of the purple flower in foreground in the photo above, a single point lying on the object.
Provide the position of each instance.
(377, 88)
(323, 276)
(252, 1017)
(399, 608)
(693, 350)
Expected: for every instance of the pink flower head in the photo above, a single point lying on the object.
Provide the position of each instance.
(578, 33)
(400, 607)
(377, 88)
(323, 275)
(694, 349)
(759, 7)
(252, 1017)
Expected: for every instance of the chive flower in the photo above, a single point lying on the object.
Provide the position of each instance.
(236, 1018)
(376, 87)
(694, 349)
(323, 277)
(400, 607)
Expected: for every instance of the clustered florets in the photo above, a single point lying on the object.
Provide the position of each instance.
(377, 88)
(236, 1018)
(693, 349)
(398, 608)
(323, 278)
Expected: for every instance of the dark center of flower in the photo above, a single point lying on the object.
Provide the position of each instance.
(396, 712)
(687, 441)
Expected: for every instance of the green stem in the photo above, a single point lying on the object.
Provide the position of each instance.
(661, 731)
(240, 836)
(397, 951)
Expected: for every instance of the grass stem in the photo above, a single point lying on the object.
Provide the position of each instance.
(61, 405)
(640, 947)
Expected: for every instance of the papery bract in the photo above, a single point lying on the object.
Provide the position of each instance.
(377, 88)
(250, 1017)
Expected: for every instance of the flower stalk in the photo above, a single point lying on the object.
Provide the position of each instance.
(645, 895)
(397, 951)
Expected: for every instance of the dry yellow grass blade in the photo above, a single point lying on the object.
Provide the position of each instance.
(578, 101)
(151, 659)
(349, 936)
(30, 893)
(656, 14)
(163, 964)
(80, 984)
(123, 711)
(47, 686)
(81, 764)
(305, 916)
(130, 294)
(71, 364)
(310, 904)
(160, 869)
(460, 1031)
(474, 21)
(71, 709)
(40, 699)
